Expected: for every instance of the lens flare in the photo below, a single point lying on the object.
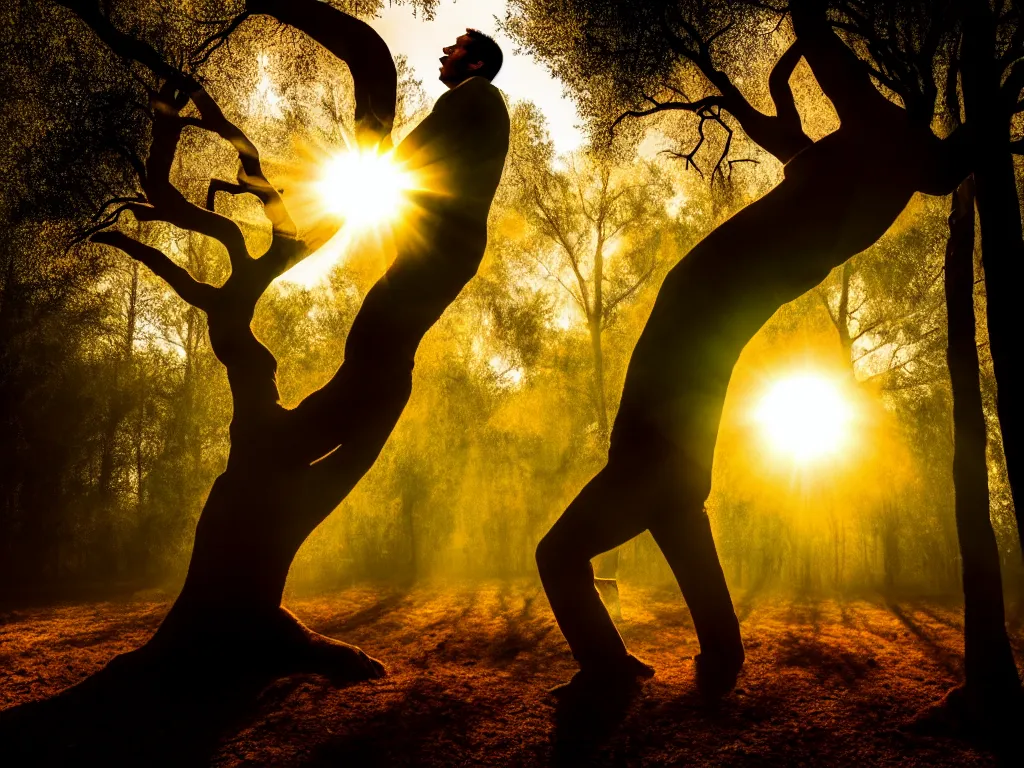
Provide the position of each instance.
(805, 417)
(365, 188)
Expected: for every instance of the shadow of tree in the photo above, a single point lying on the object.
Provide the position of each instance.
(369, 615)
(947, 659)
(407, 731)
(826, 661)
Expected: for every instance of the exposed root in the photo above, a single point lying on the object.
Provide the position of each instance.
(339, 662)
(258, 646)
(968, 717)
(192, 682)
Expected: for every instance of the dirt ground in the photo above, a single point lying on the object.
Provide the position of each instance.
(826, 682)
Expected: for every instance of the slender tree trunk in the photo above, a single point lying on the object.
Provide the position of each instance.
(594, 326)
(843, 313)
(991, 676)
(1002, 240)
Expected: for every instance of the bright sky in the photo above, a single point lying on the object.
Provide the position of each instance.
(520, 77)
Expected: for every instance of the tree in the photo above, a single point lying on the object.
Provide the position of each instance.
(286, 469)
(991, 62)
(991, 695)
(840, 194)
(596, 229)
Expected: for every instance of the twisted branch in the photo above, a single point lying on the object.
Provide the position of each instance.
(199, 295)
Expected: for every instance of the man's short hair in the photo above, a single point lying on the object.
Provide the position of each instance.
(482, 47)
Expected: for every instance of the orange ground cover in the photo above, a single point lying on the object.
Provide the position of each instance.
(826, 682)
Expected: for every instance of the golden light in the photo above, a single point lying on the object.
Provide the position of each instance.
(360, 195)
(364, 188)
(806, 417)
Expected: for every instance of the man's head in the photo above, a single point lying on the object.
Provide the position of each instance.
(473, 53)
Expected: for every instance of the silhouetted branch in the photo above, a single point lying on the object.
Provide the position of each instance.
(251, 174)
(200, 295)
(166, 203)
(951, 161)
(126, 46)
(778, 85)
(687, 106)
(712, 114)
(210, 45)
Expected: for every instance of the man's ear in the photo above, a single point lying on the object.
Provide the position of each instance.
(475, 66)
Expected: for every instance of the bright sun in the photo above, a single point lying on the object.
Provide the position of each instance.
(805, 417)
(365, 188)
(362, 191)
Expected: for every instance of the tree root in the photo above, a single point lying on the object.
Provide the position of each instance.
(960, 714)
(170, 702)
(264, 646)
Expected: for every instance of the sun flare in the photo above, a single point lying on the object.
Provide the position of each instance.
(805, 417)
(364, 188)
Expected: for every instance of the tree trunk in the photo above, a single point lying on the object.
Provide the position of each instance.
(1002, 242)
(287, 470)
(991, 676)
(594, 326)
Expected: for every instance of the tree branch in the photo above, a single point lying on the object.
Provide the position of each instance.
(778, 85)
(663, 106)
(199, 295)
(125, 46)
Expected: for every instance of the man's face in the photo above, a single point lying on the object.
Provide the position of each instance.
(457, 64)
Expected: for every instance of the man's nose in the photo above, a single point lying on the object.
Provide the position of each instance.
(447, 50)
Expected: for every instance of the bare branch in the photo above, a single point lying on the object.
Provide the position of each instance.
(210, 45)
(199, 295)
(611, 304)
(166, 201)
(664, 106)
(125, 46)
(251, 174)
(778, 85)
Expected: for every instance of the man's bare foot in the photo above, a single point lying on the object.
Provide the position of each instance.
(616, 676)
(717, 671)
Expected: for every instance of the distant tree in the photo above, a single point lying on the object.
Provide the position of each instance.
(595, 228)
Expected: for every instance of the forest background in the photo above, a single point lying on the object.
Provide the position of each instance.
(114, 411)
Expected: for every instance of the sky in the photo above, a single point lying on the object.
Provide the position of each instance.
(520, 77)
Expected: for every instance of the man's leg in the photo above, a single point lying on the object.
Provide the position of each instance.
(683, 533)
(606, 574)
(599, 519)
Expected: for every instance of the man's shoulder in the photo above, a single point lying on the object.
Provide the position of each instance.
(478, 88)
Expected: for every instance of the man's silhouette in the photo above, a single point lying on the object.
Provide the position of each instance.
(457, 154)
(839, 196)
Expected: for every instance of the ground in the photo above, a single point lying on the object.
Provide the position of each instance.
(827, 682)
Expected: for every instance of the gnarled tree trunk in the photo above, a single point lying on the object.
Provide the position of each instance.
(288, 469)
